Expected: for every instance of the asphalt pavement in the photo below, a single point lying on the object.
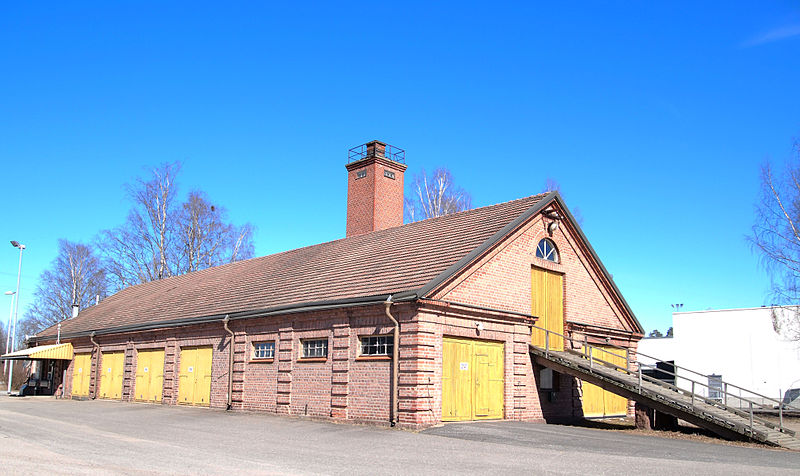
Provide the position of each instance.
(40, 435)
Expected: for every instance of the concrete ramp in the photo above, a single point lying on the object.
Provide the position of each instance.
(717, 415)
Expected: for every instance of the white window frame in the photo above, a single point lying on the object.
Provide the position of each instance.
(542, 251)
(314, 348)
(270, 346)
(380, 341)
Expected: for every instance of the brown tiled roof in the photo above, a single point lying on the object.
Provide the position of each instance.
(397, 259)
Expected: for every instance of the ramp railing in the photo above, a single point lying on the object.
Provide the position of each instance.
(746, 401)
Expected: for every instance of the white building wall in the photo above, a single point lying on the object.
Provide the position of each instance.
(741, 345)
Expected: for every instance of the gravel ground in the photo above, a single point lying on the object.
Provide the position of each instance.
(105, 437)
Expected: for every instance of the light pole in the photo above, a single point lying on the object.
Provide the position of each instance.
(8, 326)
(15, 244)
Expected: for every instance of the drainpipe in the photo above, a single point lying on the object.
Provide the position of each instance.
(395, 362)
(230, 363)
(97, 346)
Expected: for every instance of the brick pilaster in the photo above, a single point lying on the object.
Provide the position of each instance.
(240, 355)
(340, 370)
(285, 365)
(170, 395)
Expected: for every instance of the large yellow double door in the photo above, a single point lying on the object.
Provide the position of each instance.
(112, 369)
(81, 375)
(472, 379)
(194, 387)
(547, 303)
(598, 403)
(149, 375)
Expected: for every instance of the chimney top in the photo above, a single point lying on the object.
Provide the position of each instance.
(376, 148)
(374, 187)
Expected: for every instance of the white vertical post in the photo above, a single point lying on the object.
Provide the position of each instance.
(780, 407)
(692, 393)
(627, 358)
(16, 314)
(547, 343)
(640, 379)
(751, 418)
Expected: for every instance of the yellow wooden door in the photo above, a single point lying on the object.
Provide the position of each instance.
(156, 372)
(81, 375)
(112, 367)
(596, 401)
(456, 380)
(202, 389)
(149, 375)
(142, 386)
(488, 380)
(547, 303)
(186, 376)
(472, 379)
(194, 387)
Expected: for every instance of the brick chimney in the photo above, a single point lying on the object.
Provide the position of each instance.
(374, 187)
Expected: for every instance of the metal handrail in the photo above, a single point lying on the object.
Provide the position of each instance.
(588, 348)
(724, 383)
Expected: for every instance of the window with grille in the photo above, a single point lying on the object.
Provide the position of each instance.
(546, 249)
(361, 173)
(263, 350)
(315, 348)
(715, 387)
(376, 345)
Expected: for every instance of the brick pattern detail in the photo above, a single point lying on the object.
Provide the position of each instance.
(284, 349)
(374, 202)
(340, 372)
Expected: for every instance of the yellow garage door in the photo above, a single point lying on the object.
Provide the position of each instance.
(81, 375)
(149, 375)
(547, 303)
(112, 365)
(472, 380)
(195, 376)
(598, 403)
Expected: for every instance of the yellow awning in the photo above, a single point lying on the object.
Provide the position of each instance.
(53, 351)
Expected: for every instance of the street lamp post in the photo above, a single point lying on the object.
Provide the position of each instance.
(15, 244)
(8, 326)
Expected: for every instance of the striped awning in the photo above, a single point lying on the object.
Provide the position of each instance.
(53, 351)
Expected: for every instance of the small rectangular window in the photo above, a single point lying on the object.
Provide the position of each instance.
(388, 173)
(715, 387)
(377, 345)
(546, 380)
(263, 350)
(361, 173)
(315, 348)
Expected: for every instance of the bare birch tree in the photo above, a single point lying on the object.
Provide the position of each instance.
(776, 235)
(435, 196)
(163, 237)
(76, 276)
(206, 238)
(141, 249)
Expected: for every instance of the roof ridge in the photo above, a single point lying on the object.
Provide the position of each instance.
(272, 255)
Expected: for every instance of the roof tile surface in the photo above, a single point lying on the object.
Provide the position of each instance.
(382, 262)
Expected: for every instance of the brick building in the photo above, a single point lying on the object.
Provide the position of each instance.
(411, 324)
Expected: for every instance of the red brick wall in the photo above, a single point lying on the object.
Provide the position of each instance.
(374, 202)
(347, 386)
(502, 280)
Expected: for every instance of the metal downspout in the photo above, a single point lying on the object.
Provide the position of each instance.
(395, 362)
(230, 363)
(97, 366)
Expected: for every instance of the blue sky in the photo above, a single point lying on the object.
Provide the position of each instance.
(654, 118)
